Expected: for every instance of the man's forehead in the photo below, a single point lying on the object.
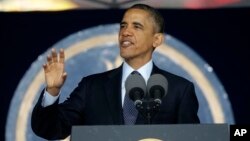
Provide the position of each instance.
(136, 14)
(136, 11)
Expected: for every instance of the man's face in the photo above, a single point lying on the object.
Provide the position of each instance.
(136, 36)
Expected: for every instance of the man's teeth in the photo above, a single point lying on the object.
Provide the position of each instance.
(126, 43)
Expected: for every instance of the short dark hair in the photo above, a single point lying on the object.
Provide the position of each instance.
(158, 18)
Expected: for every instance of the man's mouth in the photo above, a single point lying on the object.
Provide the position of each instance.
(126, 43)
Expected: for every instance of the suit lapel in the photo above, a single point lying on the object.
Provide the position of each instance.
(155, 70)
(113, 93)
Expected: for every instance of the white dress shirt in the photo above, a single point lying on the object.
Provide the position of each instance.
(145, 71)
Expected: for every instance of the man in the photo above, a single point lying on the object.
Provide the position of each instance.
(99, 98)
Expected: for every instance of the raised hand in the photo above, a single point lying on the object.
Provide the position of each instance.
(55, 74)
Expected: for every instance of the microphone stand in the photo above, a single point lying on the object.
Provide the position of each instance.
(148, 109)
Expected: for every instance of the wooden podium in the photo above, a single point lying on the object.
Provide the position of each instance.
(172, 132)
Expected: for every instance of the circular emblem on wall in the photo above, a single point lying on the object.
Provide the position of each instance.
(96, 50)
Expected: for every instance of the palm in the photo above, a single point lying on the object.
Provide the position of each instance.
(53, 75)
(54, 70)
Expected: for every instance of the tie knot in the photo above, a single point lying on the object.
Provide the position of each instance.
(135, 72)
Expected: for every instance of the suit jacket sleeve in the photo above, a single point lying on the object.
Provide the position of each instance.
(55, 121)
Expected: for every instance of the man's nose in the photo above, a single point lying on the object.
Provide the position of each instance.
(126, 32)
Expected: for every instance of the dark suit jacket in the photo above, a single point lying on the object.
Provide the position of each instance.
(97, 101)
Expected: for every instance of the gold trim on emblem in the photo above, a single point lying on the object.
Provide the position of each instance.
(150, 139)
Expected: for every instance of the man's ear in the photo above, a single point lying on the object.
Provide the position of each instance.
(158, 39)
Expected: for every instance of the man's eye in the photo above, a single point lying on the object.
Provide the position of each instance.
(122, 26)
(137, 27)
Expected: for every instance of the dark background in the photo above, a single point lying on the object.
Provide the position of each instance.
(220, 36)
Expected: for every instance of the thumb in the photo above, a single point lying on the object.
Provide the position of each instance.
(64, 76)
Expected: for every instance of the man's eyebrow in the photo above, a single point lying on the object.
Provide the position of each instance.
(138, 24)
(134, 23)
(121, 23)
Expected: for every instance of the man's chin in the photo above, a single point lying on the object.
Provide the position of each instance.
(125, 56)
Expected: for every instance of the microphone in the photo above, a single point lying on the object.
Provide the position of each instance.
(157, 87)
(135, 87)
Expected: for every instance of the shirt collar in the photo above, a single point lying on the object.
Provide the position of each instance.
(145, 70)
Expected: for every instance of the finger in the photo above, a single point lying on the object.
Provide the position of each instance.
(45, 68)
(61, 56)
(54, 55)
(49, 59)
